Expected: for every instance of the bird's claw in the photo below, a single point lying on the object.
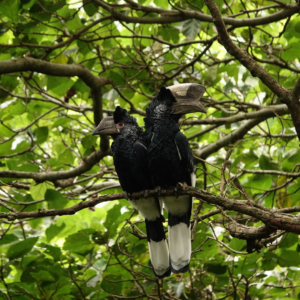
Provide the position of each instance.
(175, 191)
(146, 194)
(127, 195)
(158, 190)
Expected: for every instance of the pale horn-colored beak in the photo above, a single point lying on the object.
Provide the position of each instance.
(187, 97)
(106, 126)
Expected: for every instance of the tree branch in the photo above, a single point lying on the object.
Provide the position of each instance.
(173, 16)
(262, 114)
(228, 139)
(89, 162)
(273, 219)
(294, 107)
(63, 70)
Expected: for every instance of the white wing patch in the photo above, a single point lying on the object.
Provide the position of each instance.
(141, 144)
(180, 158)
(152, 137)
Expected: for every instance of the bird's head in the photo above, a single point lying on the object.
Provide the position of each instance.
(187, 96)
(181, 98)
(115, 124)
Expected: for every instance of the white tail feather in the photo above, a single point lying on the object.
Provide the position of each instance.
(159, 255)
(180, 245)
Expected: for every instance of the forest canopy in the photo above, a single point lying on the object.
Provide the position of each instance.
(66, 230)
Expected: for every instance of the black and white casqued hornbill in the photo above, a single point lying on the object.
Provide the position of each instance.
(129, 151)
(171, 161)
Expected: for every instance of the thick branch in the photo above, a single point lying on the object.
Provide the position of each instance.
(228, 139)
(248, 232)
(271, 218)
(294, 106)
(172, 16)
(89, 162)
(262, 114)
(63, 70)
(23, 64)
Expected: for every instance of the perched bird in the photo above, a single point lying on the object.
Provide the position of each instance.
(171, 161)
(129, 151)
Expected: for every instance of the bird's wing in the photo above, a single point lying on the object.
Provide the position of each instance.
(186, 157)
(150, 209)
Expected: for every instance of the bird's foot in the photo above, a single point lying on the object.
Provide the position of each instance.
(127, 195)
(158, 190)
(175, 191)
(146, 194)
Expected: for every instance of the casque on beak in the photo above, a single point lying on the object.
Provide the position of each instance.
(187, 97)
(106, 126)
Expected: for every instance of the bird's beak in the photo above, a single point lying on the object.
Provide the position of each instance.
(187, 97)
(106, 126)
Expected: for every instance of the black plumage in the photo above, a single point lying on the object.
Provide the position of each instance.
(171, 161)
(129, 151)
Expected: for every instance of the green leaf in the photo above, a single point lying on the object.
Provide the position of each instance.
(53, 230)
(41, 134)
(90, 8)
(9, 8)
(55, 199)
(79, 242)
(162, 4)
(118, 79)
(216, 268)
(27, 3)
(89, 141)
(9, 83)
(291, 159)
(112, 288)
(59, 85)
(38, 190)
(266, 163)
(289, 259)
(19, 249)
(228, 87)
(38, 13)
(290, 240)
(55, 252)
(190, 28)
(237, 244)
(42, 276)
(260, 182)
(111, 223)
(292, 52)
(66, 157)
(8, 238)
(17, 108)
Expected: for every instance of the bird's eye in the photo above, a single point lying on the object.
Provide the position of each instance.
(120, 125)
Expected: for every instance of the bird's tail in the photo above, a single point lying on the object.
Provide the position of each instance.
(158, 248)
(179, 210)
(150, 209)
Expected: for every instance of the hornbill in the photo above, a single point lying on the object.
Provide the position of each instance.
(129, 151)
(171, 161)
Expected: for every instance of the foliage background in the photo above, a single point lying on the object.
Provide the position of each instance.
(67, 63)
